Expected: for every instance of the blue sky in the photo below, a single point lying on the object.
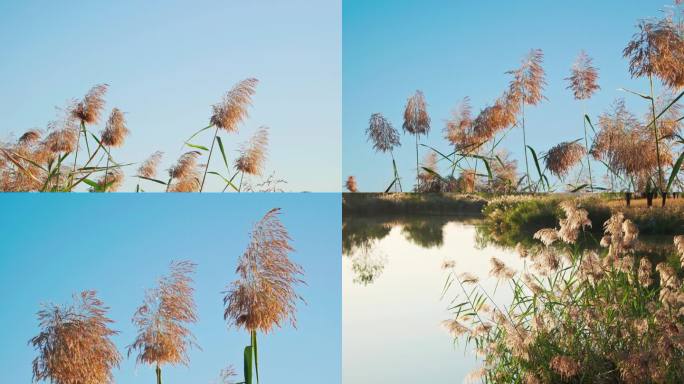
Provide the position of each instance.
(451, 49)
(53, 246)
(167, 62)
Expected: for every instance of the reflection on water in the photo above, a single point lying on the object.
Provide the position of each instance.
(392, 285)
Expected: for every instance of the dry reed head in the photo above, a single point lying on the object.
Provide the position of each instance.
(186, 165)
(351, 184)
(416, 118)
(500, 270)
(232, 110)
(505, 173)
(163, 337)
(63, 136)
(115, 132)
(30, 137)
(565, 366)
(381, 132)
(74, 345)
(528, 80)
(149, 167)
(90, 108)
(657, 49)
(112, 182)
(461, 120)
(253, 153)
(583, 77)
(264, 296)
(562, 157)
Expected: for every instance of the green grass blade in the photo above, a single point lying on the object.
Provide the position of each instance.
(151, 179)
(390, 186)
(225, 158)
(202, 147)
(248, 364)
(675, 170)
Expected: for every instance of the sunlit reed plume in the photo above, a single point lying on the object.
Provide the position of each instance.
(657, 49)
(30, 137)
(528, 80)
(381, 132)
(74, 345)
(562, 157)
(565, 366)
(253, 153)
(162, 319)
(455, 328)
(264, 294)
(115, 131)
(583, 77)
(547, 236)
(679, 247)
(232, 110)
(456, 128)
(416, 118)
(351, 184)
(500, 270)
(90, 108)
(111, 180)
(148, 168)
(62, 136)
(186, 165)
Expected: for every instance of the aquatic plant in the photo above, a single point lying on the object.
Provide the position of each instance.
(163, 336)
(263, 296)
(74, 345)
(416, 120)
(384, 138)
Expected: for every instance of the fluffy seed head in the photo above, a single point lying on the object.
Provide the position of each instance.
(253, 153)
(382, 134)
(416, 118)
(456, 128)
(528, 79)
(232, 110)
(30, 137)
(112, 181)
(562, 157)
(264, 294)
(185, 166)
(351, 184)
(63, 136)
(163, 336)
(90, 108)
(583, 77)
(500, 270)
(74, 345)
(115, 132)
(565, 366)
(149, 167)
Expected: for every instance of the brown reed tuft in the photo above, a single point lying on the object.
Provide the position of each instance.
(149, 167)
(657, 49)
(186, 165)
(565, 366)
(500, 270)
(232, 110)
(30, 137)
(63, 136)
(111, 181)
(163, 336)
(456, 128)
(253, 153)
(263, 296)
(381, 132)
(562, 157)
(90, 108)
(583, 77)
(115, 132)
(528, 79)
(416, 118)
(74, 345)
(351, 184)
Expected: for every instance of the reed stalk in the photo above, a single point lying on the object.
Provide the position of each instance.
(211, 150)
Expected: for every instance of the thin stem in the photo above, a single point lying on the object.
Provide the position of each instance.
(527, 167)
(657, 139)
(586, 146)
(206, 168)
(158, 370)
(104, 185)
(417, 170)
(240, 186)
(78, 145)
(396, 173)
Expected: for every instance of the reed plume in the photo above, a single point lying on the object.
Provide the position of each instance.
(232, 110)
(253, 153)
(351, 184)
(416, 120)
(62, 136)
(526, 88)
(184, 176)
(89, 109)
(148, 168)
(384, 138)
(461, 120)
(110, 181)
(264, 294)
(583, 77)
(74, 345)
(30, 137)
(163, 336)
(115, 131)
(505, 173)
(562, 157)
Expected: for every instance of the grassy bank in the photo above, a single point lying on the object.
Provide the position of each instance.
(374, 204)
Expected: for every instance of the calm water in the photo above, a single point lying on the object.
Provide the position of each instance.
(392, 283)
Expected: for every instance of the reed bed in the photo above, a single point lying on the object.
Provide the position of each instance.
(74, 344)
(576, 315)
(639, 155)
(70, 156)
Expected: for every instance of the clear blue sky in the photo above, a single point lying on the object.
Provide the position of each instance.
(167, 62)
(53, 246)
(451, 49)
